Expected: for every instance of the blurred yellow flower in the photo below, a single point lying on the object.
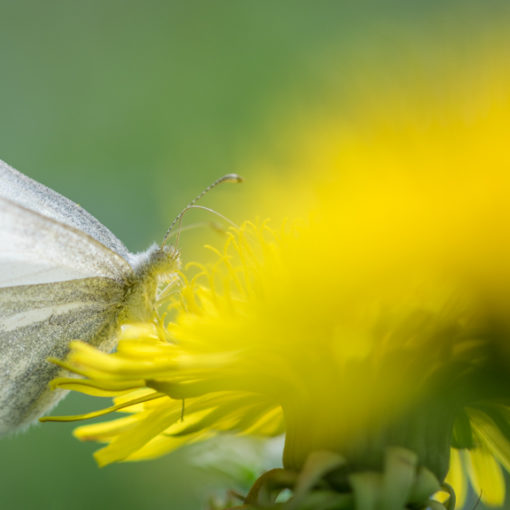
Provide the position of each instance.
(373, 326)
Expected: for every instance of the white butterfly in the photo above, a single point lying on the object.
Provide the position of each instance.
(63, 276)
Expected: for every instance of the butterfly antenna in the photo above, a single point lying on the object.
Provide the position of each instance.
(178, 219)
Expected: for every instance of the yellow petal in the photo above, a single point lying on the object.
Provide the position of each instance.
(456, 477)
(486, 476)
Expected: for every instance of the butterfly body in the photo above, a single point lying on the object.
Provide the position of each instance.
(150, 267)
(63, 276)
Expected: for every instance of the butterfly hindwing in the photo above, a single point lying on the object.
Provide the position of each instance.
(39, 321)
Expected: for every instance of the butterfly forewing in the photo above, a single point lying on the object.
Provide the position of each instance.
(35, 249)
(33, 195)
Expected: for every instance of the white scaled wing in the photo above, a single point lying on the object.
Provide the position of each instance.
(37, 249)
(57, 284)
(39, 321)
(33, 195)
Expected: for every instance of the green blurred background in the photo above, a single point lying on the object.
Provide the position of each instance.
(130, 108)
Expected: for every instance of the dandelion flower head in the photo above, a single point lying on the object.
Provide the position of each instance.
(374, 318)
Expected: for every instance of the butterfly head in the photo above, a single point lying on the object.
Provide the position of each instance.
(156, 262)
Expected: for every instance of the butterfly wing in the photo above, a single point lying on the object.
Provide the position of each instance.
(56, 284)
(39, 321)
(37, 249)
(32, 195)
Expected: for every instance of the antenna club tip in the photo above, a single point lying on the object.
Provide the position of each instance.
(233, 178)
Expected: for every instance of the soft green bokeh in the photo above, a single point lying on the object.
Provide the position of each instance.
(130, 108)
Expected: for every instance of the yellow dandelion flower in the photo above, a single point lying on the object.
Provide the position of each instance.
(373, 330)
(350, 363)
